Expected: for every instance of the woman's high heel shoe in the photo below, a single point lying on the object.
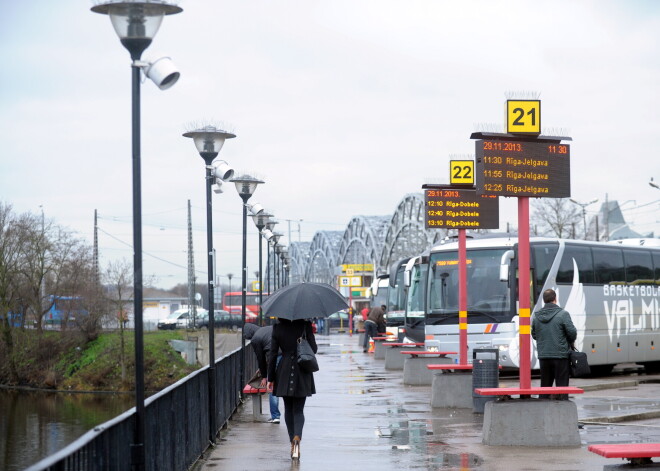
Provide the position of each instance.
(295, 448)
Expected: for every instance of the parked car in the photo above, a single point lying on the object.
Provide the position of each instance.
(179, 319)
(222, 320)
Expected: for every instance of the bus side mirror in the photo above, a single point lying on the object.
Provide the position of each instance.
(504, 265)
(407, 278)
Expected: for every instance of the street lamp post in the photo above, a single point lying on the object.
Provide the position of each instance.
(230, 276)
(136, 23)
(270, 225)
(584, 212)
(209, 140)
(260, 220)
(246, 186)
(285, 266)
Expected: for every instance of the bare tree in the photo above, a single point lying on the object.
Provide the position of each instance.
(119, 280)
(45, 250)
(9, 305)
(80, 283)
(554, 217)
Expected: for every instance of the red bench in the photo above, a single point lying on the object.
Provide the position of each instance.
(398, 344)
(637, 453)
(416, 353)
(508, 392)
(450, 366)
(256, 398)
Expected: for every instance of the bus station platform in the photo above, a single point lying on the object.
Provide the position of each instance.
(363, 417)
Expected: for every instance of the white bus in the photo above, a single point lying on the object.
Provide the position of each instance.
(611, 291)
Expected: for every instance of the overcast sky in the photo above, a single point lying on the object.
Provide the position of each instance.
(342, 107)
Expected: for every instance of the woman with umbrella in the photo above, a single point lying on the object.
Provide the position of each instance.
(294, 305)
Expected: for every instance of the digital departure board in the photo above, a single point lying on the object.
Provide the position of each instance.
(522, 168)
(448, 207)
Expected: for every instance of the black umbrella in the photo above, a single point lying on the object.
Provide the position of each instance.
(304, 301)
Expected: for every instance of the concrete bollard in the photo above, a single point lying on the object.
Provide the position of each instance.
(416, 373)
(452, 389)
(394, 359)
(531, 422)
(379, 350)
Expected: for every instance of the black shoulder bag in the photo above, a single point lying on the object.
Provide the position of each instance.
(306, 358)
(578, 363)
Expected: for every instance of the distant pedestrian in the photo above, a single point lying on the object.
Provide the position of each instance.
(554, 332)
(375, 319)
(287, 380)
(365, 312)
(261, 343)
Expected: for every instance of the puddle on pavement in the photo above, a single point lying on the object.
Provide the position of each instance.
(463, 461)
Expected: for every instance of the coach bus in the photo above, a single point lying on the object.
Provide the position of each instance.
(612, 292)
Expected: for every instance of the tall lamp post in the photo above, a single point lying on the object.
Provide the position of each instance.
(230, 276)
(584, 212)
(270, 225)
(136, 23)
(277, 250)
(260, 220)
(208, 141)
(285, 266)
(246, 185)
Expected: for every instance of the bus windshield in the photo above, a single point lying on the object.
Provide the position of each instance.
(415, 305)
(487, 297)
(396, 299)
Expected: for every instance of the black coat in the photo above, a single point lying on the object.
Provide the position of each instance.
(289, 380)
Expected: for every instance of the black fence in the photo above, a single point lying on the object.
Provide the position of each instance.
(177, 424)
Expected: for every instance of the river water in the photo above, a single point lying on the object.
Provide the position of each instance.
(35, 424)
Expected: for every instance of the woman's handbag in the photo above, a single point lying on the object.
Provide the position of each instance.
(578, 363)
(306, 358)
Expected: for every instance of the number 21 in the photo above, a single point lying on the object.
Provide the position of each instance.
(521, 114)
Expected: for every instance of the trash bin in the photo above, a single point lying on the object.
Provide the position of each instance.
(485, 374)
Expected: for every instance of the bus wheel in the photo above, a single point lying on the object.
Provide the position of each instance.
(651, 367)
(601, 370)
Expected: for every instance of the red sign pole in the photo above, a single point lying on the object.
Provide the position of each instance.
(523, 292)
(462, 298)
(350, 310)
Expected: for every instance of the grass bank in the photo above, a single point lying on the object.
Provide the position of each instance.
(64, 361)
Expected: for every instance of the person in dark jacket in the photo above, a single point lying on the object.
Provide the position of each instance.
(287, 380)
(374, 324)
(261, 343)
(554, 332)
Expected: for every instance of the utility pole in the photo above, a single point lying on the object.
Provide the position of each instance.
(584, 212)
(192, 306)
(97, 274)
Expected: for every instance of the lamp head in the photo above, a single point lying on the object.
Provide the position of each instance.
(209, 140)
(246, 185)
(270, 224)
(260, 219)
(136, 22)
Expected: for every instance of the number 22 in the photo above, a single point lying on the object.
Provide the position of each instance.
(466, 172)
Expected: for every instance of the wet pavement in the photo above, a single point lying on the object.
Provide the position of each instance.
(364, 418)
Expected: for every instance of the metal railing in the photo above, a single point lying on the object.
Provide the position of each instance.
(177, 424)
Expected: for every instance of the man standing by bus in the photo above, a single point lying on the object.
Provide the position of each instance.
(554, 332)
